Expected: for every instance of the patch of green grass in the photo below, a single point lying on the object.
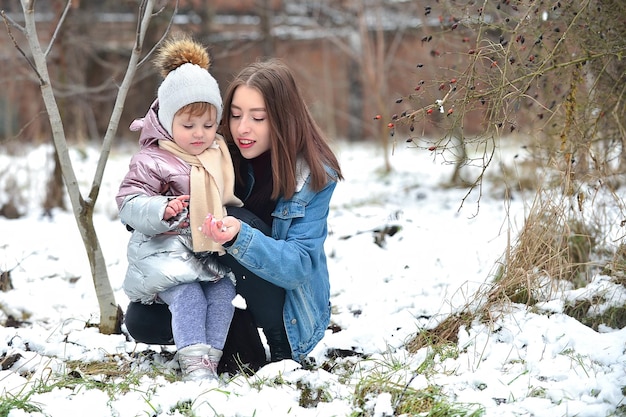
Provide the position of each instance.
(18, 401)
(112, 376)
(184, 408)
(613, 317)
(311, 396)
(392, 375)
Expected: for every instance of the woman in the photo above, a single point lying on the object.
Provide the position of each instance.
(285, 175)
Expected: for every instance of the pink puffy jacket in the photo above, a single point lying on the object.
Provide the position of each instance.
(157, 259)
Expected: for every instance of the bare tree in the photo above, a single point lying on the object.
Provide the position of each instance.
(549, 71)
(358, 29)
(83, 207)
(263, 9)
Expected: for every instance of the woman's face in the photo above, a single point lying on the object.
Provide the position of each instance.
(248, 122)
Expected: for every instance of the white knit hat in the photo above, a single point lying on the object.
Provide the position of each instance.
(189, 83)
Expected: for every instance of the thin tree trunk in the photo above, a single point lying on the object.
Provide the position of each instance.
(110, 312)
(54, 189)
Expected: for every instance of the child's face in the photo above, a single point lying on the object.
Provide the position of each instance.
(194, 134)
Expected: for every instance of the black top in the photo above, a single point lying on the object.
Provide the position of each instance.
(259, 202)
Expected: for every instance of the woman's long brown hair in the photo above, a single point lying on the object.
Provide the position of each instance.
(293, 131)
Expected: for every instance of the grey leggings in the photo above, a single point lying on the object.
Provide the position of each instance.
(201, 312)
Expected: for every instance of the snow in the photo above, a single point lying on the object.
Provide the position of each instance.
(385, 287)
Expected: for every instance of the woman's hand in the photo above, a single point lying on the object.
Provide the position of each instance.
(175, 206)
(221, 231)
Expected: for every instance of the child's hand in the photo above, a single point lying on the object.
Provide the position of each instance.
(221, 231)
(175, 206)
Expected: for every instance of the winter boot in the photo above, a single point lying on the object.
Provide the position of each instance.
(278, 343)
(199, 362)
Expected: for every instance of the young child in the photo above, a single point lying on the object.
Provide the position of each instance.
(182, 172)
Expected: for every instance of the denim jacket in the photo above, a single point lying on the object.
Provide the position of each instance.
(294, 258)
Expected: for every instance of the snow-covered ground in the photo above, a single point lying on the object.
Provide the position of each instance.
(385, 287)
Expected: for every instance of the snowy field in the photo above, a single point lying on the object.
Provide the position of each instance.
(385, 287)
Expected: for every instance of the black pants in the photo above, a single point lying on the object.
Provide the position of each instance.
(243, 351)
(151, 324)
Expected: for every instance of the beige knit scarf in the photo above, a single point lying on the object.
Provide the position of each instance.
(211, 188)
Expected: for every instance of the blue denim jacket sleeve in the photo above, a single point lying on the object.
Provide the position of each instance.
(295, 252)
(294, 258)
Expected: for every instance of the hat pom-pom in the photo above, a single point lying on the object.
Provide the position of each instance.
(176, 52)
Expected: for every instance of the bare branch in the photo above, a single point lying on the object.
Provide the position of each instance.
(10, 32)
(167, 30)
(7, 19)
(59, 24)
(144, 19)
